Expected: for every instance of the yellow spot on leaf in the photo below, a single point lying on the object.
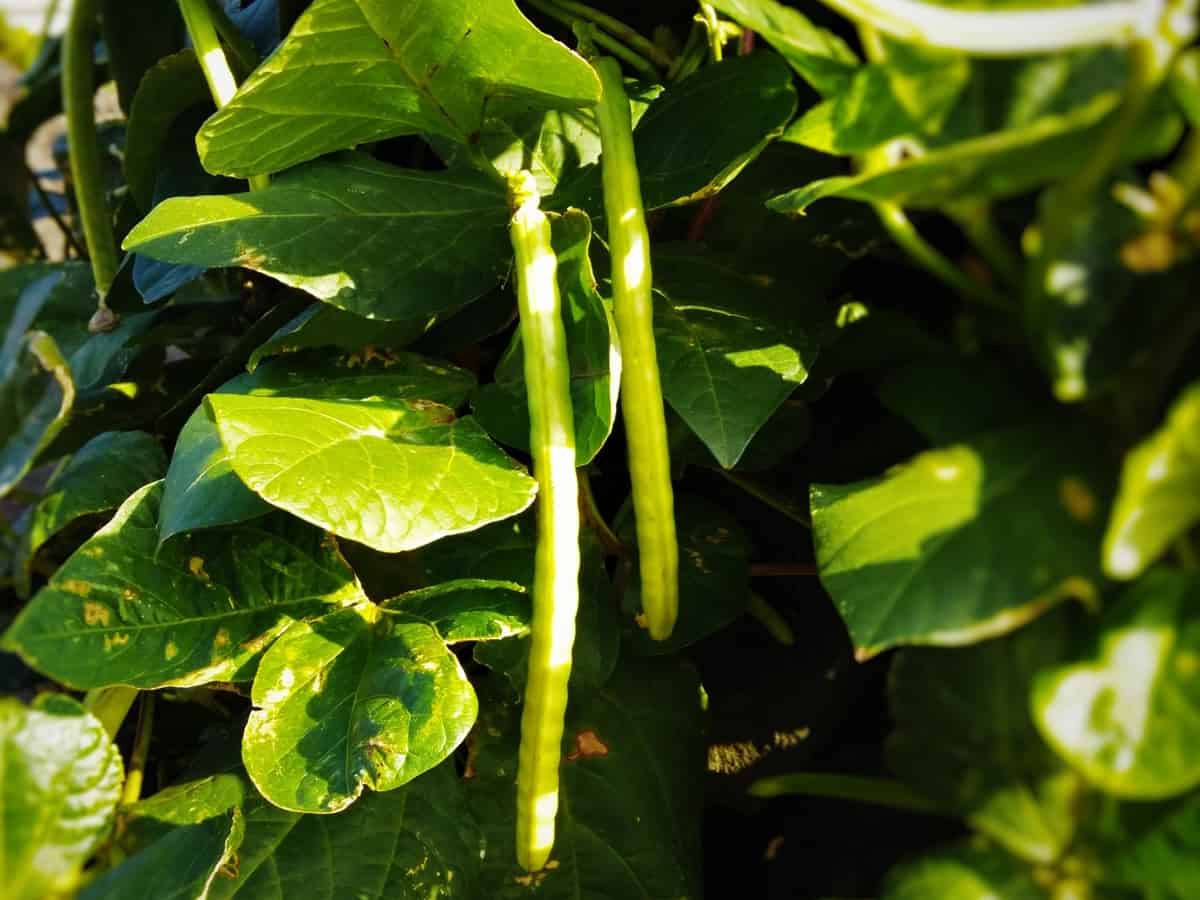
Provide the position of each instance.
(95, 613)
(92, 552)
(115, 640)
(1079, 502)
(196, 567)
(76, 587)
(171, 651)
(221, 639)
(129, 594)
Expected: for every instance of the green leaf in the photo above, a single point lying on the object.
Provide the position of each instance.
(595, 358)
(322, 325)
(1159, 497)
(354, 71)
(379, 241)
(987, 762)
(413, 843)
(966, 872)
(123, 611)
(686, 153)
(97, 478)
(61, 779)
(37, 394)
(1128, 716)
(136, 34)
(1166, 860)
(168, 89)
(361, 697)
(629, 802)
(468, 609)
(374, 457)
(963, 542)
(729, 353)
(822, 58)
(59, 303)
(714, 575)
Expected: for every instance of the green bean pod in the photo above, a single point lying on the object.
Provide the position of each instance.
(641, 392)
(556, 565)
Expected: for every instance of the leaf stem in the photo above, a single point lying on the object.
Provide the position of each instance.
(765, 496)
(201, 27)
(243, 51)
(642, 405)
(556, 558)
(859, 788)
(78, 95)
(1006, 32)
(612, 544)
(770, 619)
(618, 29)
(600, 38)
(712, 25)
(136, 770)
(979, 227)
(110, 705)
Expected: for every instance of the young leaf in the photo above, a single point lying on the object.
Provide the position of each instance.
(97, 478)
(468, 609)
(962, 542)
(1128, 716)
(361, 697)
(374, 457)
(628, 811)
(416, 841)
(354, 71)
(822, 58)
(729, 353)
(61, 779)
(379, 241)
(123, 611)
(595, 358)
(1159, 497)
(988, 762)
(37, 394)
(965, 872)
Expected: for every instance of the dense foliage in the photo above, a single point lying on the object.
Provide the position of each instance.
(278, 455)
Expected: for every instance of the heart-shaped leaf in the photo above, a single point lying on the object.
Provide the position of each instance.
(123, 611)
(361, 697)
(60, 779)
(1128, 717)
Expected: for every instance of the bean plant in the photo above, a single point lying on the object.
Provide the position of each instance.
(537, 448)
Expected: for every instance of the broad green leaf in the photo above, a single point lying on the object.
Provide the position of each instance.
(97, 478)
(962, 542)
(468, 609)
(595, 358)
(322, 325)
(987, 762)
(414, 843)
(13, 283)
(730, 348)
(375, 458)
(354, 71)
(966, 872)
(993, 164)
(379, 241)
(1159, 497)
(136, 34)
(361, 697)
(822, 58)
(173, 85)
(686, 153)
(202, 490)
(37, 394)
(714, 575)
(122, 610)
(629, 801)
(183, 864)
(59, 303)
(1166, 860)
(60, 780)
(1128, 716)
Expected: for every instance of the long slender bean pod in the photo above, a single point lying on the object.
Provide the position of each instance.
(641, 391)
(556, 564)
(222, 85)
(78, 94)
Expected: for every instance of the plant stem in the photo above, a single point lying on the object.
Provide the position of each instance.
(1005, 32)
(67, 233)
(78, 94)
(600, 38)
(618, 29)
(642, 406)
(928, 257)
(692, 55)
(243, 51)
(110, 705)
(612, 544)
(763, 495)
(976, 222)
(770, 619)
(556, 559)
(136, 770)
(713, 26)
(198, 17)
(858, 788)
